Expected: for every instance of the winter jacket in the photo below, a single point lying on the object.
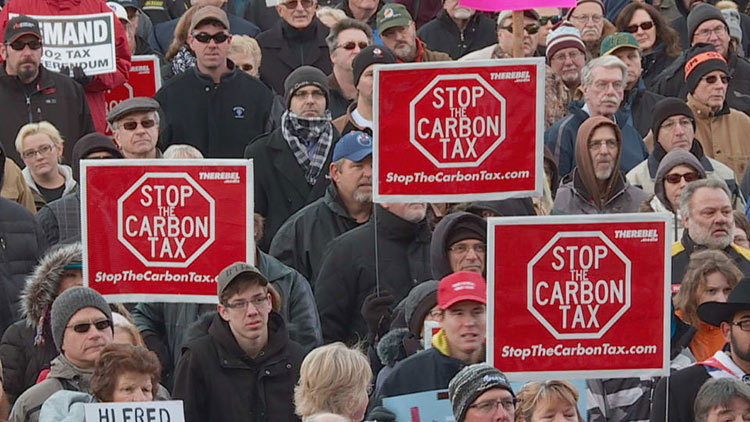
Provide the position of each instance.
(423, 11)
(63, 375)
(348, 272)
(679, 24)
(303, 238)
(682, 250)
(561, 140)
(21, 244)
(426, 55)
(96, 89)
(57, 99)
(653, 63)
(372, 22)
(15, 188)
(346, 123)
(27, 346)
(639, 104)
(723, 134)
(163, 33)
(280, 185)
(39, 200)
(683, 388)
(218, 119)
(442, 34)
(572, 198)
(65, 406)
(60, 220)
(261, 15)
(441, 266)
(285, 49)
(337, 103)
(218, 381)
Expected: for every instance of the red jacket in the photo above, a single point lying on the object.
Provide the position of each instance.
(94, 90)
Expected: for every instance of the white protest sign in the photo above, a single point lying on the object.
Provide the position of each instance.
(150, 411)
(87, 41)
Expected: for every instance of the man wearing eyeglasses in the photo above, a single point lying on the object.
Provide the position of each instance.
(399, 33)
(214, 106)
(459, 243)
(81, 328)
(481, 393)
(31, 93)
(458, 30)
(504, 33)
(673, 127)
(246, 367)
(733, 319)
(135, 123)
(297, 39)
(589, 17)
(346, 39)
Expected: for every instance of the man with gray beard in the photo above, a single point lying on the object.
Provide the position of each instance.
(347, 204)
(353, 269)
(706, 210)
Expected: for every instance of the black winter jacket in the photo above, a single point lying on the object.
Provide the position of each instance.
(682, 250)
(217, 381)
(280, 185)
(56, 98)
(302, 240)
(442, 34)
(683, 388)
(641, 103)
(348, 275)
(425, 371)
(285, 49)
(218, 119)
(22, 360)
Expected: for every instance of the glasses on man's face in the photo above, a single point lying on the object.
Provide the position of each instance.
(241, 305)
(461, 249)
(490, 406)
(719, 31)
(675, 178)
(581, 19)
(316, 94)
(84, 327)
(205, 38)
(246, 67)
(42, 150)
(530, 29)
(744, 324)
(351, 45)
(306, 4)
(132, 124)
(563, 57)
(19, 45)
(711, 79)
(597, 145)
(552, 19)
(602, 85)
(644, 26)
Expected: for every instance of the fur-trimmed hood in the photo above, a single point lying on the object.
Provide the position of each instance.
(42, 285)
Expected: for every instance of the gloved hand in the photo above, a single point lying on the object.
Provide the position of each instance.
(380, 414)
(377, 310)
(78, 74)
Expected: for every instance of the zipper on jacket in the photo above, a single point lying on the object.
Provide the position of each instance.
(2, 242)
(28, 108)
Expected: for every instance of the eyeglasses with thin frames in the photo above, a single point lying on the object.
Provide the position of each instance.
(744, 324)
(719, 31)
(241, 305)
(490, 406)
(42, 150)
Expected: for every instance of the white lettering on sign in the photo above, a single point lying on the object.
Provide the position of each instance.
(153, 411)
(75, 33)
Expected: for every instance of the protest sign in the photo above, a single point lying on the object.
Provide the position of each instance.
(587, 296)
(150, 411)
(162, 230)
(144, 81)
(458, 131)
(87, 41)
(498, 5)
(417, 407)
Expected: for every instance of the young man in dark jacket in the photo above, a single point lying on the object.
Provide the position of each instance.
(245, 368)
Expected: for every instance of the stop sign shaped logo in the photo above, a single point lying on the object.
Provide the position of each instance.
(166, 219)
(457, 120)
(578, 285)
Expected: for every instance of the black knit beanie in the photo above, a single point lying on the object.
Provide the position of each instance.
(667, 108)
(700, 63)
(370, 55)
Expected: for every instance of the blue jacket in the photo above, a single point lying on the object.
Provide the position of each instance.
(560, 138)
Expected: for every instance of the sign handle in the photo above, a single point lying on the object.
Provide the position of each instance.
(518, 33)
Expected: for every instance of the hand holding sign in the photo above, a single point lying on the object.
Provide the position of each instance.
(78, 74)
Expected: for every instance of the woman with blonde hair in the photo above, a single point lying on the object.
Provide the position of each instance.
(245, 53)
(548, 400)
(710, 276)
(333, 379)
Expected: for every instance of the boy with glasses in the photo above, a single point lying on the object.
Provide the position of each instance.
(245, 367)
(81, 328)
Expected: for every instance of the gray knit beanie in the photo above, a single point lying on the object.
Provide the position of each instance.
(304, 76)
(701, 13)
(71, 301)
(470, 383)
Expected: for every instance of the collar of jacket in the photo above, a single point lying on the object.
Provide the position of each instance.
(392, 226)
(580, 189)
(372, 22)
(62, 368)
(233, 71)
(290, 33)
(231, 354)
(702, 111)
(43, 80)
(334, 203)
(444, 17)
(440, 343)
(420, 53)
(267, 265)
(658, 153)
(690, 245)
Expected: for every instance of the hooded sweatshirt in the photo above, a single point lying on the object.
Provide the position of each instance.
(445, 231)
(660, 202)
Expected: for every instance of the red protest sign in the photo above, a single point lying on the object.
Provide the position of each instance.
(586, 297)
(162, 230)
(144, 81)
(458, 131)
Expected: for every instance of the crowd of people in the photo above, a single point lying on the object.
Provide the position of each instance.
(647, 109)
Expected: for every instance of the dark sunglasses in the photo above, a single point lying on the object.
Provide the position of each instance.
(132, 125)
(711, 79)
(84, 327)
(554, 19)
(245, 67)
(675, 178)
(20, 45)
(531, 28)
(206, 38)
(293, 4)
(644, 26)
(351, 45)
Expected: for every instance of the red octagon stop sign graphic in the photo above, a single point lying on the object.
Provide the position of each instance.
(457, 120)
(578, 285)
(166, 219)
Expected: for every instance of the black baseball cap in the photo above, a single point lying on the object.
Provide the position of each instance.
(19, 26)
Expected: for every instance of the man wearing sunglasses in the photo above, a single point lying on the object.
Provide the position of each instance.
(81, 328)
(214, 107)
(31, 93)
(135, 123)
(504, 34)
(458, 30)
(399, 33)
(549, 17)
(297, 39)
(346, 39)
(733, 319)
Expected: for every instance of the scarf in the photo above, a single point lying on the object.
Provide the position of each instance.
(721, 365)
(183, 60)
(296, 128)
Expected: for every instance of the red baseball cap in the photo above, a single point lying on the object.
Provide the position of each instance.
(459, 286)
